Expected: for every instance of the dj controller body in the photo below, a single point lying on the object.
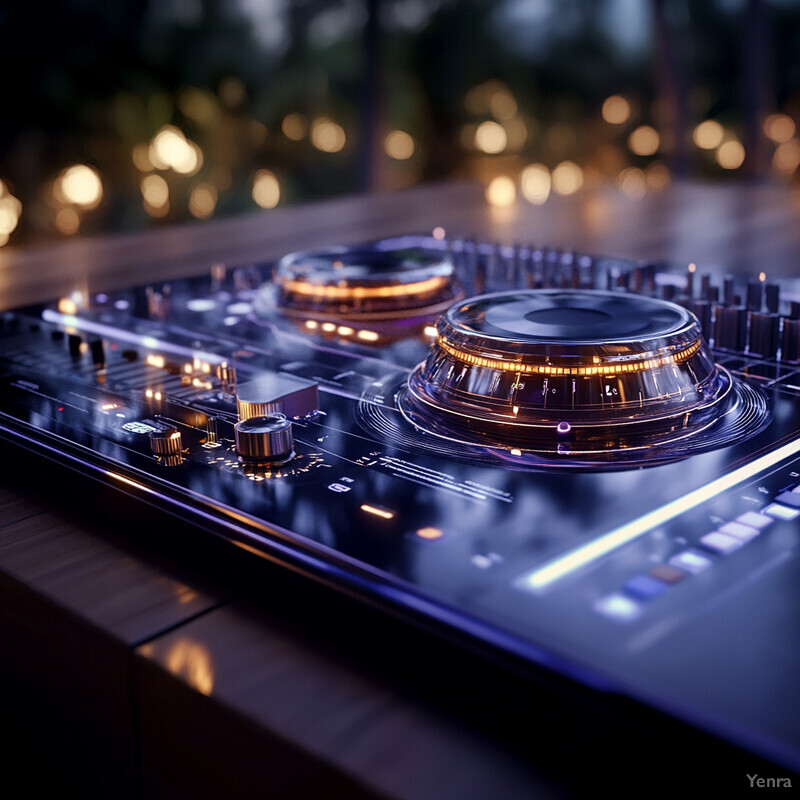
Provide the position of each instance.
(580, 463)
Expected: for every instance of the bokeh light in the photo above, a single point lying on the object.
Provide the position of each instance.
(644, 141)
(202, 201)
(490, 137)
(327, 135)
(266, 189)
(79, 184)
(501, 192)
(708, 135)
(616, 110)
(779, 127)
(730, 154)
(155, 192)
(294, 126)
(399, 145)
(567, 178)
(535, 183)
(632, 182)
(787, 156)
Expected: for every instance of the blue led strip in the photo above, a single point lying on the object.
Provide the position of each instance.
(581, 556)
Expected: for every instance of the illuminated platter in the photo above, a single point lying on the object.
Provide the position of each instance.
(578, 374)
(396, 279)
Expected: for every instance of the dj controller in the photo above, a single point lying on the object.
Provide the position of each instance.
(584, 464)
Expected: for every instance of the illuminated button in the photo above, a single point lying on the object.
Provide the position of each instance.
(645, 587)
(789, 499)
(691, 561)
(739, 531)
(781, 512)
(754, 520)
(668, 574)
(618, 607)
(721, 542)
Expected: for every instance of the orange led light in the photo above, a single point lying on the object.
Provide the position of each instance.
(378, 512)
(344, 292)
(598, 369)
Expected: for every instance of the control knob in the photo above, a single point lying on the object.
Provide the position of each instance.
(166, 442)
(265, 439)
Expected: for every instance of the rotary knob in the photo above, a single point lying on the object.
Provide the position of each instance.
(265, 439)
(166, 442)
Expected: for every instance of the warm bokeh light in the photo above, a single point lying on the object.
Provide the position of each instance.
(266, 189)
(730, 154)
(644, 141)
(155, 192)
(501, 191)
(202, 201)
(79, 184)
(10, 211)
(567, 178)
(171, 149)
(616, 109)
(779, 127)
(327, 136)
(657, 175)
(399, 145)
(502, 105)
(490, 137)
(294, 127)
(535, 183)
(708, 134)
(141, 158)
(787, 156)
(632, 182)
(68, 221)
(198, 104)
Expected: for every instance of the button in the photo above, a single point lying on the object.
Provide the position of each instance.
(691, 561)
(789, 499)
(721, 542)
(645, 587)
(743, 532)
(781, 512)
(668, 574)
(618, 607)
(754, 520)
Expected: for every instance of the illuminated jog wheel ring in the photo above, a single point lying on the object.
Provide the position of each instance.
(380, 281)
(578, 374)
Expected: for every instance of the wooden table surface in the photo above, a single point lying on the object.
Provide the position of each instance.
(141, 659)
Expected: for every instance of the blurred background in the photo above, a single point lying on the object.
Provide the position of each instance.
(138, 113)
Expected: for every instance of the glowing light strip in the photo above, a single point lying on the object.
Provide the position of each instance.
(361, 292)
(135, 484)
(546, 369)
(378, 512)
(581, 556)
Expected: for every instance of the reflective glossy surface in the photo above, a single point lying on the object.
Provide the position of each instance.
(600, 574)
